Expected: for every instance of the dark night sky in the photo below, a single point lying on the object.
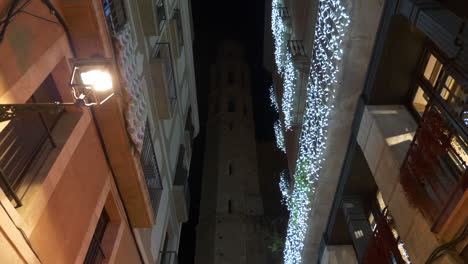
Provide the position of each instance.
(215, 21)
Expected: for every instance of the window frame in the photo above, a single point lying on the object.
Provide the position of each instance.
(433, 91)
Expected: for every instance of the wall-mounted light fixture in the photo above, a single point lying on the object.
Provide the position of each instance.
(92, 83)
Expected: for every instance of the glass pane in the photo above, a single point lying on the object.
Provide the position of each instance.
(444, 93)
(456, 97)
(381, 202)
(432, 70)
(449, 82)
(420, 101)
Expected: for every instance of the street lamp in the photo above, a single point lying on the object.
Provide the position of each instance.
(91, 82)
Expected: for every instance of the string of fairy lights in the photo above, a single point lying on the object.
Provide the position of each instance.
(284, 62)
(278, 127)
(279, 136)
(332, 21)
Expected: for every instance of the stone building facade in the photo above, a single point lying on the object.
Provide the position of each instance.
(230, 228)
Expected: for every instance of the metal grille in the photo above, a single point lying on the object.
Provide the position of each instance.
(284, 12)
(114, 12)
(151, 169)
(95, 255)
(25, 144)
(434, 174)
(383, 247)
(160, 13)
(297, 48)
(164, 55)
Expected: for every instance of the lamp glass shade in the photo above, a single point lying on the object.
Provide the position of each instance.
(100, 81)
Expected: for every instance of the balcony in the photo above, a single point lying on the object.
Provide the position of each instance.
(151, 170)
(115, 15)
(284, 12)
(181, 190)
(164, 91)
(25, 145)
(384, 247)
(299, 54)
(434, 174)
(95, 254)
(153, 16)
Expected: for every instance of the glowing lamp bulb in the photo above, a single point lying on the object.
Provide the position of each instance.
(101, 81)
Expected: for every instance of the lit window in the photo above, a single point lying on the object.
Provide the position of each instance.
(432, 70)
(420, 101)
(358, 234)
(381, 202)
(372, 221)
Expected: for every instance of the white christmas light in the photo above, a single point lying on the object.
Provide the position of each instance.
(279, 136)
(279, 30)
(289, 89)
(332, 21)
(284, 186)
(273, 100)
(284, 62)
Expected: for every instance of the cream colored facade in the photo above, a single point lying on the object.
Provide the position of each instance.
(113, 188)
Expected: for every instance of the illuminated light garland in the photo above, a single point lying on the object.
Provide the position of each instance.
(279, 136)
(289, 88)
(279, 31)
(284, 186)
(284, 62)
(332, 20)
(273, 101)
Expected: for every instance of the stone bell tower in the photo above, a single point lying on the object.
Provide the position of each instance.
(230, 228)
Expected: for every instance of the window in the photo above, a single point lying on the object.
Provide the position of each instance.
(26, 144)
(433, 78)
(161, 13)
(95, 253)
(420, 101)
(115, 15)
(381, 223)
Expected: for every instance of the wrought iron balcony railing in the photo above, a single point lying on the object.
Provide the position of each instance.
(115, 15)
(151, 170)
(296, 47)
(25, 144)
(284, 12)
(384, 247)
(434, 174)
(95, 254)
